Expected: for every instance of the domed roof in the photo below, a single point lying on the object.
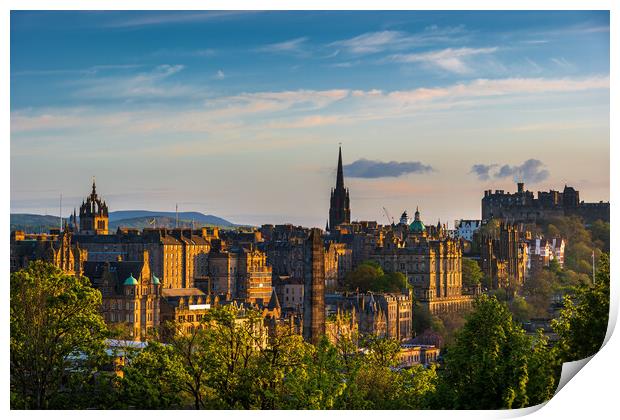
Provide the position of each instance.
(130, 281)
(417, 226)
(155, 280)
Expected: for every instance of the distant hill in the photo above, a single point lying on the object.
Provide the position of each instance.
(34, 223)
(137, 219)
(159, 221)
(197, 217)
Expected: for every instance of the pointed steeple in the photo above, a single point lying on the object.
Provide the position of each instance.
(94, 187)
(339, 175)
(339, 210)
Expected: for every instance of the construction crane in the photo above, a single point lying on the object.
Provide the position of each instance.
(390, 218)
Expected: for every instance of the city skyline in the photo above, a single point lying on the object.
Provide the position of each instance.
(210, 111)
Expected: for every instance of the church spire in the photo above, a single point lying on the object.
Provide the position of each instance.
(339, 175)
(94, 187)
(339, 210)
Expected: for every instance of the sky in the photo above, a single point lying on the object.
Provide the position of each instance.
(240, 114)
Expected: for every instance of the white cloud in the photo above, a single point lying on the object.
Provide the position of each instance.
(450, 59)
(372, 42)
(375, 42)
(158, 18)
(142, 85)
(219, 75)
(292, 45)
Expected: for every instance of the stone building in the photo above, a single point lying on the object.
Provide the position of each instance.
(379, 314)
(431, 261)
(338, 262)
(411, 355)
(185, 307)
(504, 254)
(130, 294)
(55, 248)
(360, 237)
(523, 207)
(542, 251)
(240, 273)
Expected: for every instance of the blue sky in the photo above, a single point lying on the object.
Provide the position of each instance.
(240, 114)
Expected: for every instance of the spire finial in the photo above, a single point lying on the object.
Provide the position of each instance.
(94, 188)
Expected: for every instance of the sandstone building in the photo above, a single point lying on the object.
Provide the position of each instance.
(431, 261)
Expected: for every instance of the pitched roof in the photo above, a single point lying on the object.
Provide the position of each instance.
(274, 303)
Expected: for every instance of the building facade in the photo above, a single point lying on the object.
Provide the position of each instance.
(523, 207)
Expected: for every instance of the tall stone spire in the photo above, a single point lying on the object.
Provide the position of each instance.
(339, 211)
(94, 193)
(339, 175)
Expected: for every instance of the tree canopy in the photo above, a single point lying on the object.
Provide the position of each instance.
(370, 277)
(472, 274)
(57, 336)
(582, 324)
(493, 364)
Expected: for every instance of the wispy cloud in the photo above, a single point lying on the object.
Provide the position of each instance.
(269, 110)
(290, 46)
(450, 59)
(202, 52)
(85, 71)
(562, 62)
(160, 18)
(374, 42)
(141, 85)
(365, 168)
(532, 171)
(219, 75)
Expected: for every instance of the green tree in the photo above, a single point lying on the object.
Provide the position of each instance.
(364, 277)
(231, 347)
(520, 309)
(472, 274)
(321, 383)
(582, 324)
(600, 233)
(487, 367)
(382, 351)
(544, 369)
(370, 277)
(282, 356)
(154, 378)
(57, 336)
(538, 290)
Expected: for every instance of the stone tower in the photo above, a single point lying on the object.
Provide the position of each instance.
(94, 215)
(314, 287)
(339, 211)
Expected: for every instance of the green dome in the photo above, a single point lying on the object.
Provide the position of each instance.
(155, 280)
(417, 226)
(130, 281)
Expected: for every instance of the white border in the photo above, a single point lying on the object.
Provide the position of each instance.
(592, 394)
